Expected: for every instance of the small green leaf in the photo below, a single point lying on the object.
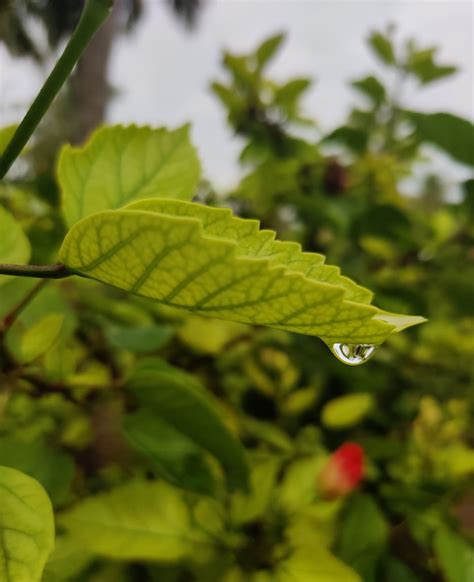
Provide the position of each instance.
(347, 410)
(181, 401)
(455, 555)
(382, 47)
(453, 134)
(39, 338)
(143, 339)
(314, 564)
(122, 164)
(139, 520)
(371, 87)
(206, 260)
(168, 451)
(6, 133)
(268, 48)
(14, 245)
(66, 561)
(26, 527)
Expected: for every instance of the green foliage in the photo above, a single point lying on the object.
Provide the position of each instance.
(178, 447)
(14, 245)
(26, 527)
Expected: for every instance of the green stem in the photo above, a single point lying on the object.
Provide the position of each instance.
(93, 16)
(58, 271)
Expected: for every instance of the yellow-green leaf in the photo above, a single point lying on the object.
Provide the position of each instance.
(14, 245)
(205, 260)
(40, 337)
(139, 520)
(122, 164)
(347, 410)
(26, 527)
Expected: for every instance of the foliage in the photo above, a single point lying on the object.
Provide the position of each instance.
(176, 447)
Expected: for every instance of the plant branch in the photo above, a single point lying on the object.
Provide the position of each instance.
(93, 16)
(13, 314)
(57, 271)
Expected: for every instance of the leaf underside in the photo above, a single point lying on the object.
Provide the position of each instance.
(205, 260)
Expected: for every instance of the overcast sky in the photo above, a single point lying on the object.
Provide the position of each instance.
(162, 72)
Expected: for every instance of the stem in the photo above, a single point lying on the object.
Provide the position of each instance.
(12, 316)
(58, 271)
(93, 16)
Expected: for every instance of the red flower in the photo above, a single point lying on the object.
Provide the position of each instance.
(343, 471)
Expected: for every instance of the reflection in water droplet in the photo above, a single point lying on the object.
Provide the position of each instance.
(353, 354)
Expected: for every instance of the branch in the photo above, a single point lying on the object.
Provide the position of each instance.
(94, 15)
(58, 271)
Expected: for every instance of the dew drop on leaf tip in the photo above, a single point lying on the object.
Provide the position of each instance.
(353, 354)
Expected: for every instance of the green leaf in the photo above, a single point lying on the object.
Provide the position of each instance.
(6, 133)
(39, 338)
(181, 401)
(371, 87)
(382, 47)
(14, 245)
(347, 411)
(455, 555)
(66, 561)
(364, 533)
(168, 451)
(142, 339)
(422, 64)
(122, 164)
(26, 527)
(453, 134)
(52, 468)
(353, 138)
(268, 48)
(314, 564)
(139, 520)
(286, 95)
(206, 260)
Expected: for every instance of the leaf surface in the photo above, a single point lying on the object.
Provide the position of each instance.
(14, 245)
(122, 164)
(139, 520)
(26, 527)
(206, 260)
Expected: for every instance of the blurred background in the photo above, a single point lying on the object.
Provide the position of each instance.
(345, 126)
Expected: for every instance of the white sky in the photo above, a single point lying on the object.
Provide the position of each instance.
(162, 72)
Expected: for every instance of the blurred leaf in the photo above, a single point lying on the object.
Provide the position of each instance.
(455, 554)
(39, 338)
(182, 402)
(209, 336)
(143, 339)
(208, 261)
(396, 571)
(421, 63)
(51, 467)
(382, 47)
(353, 138)
(168, 452)
(347, 411)
(268, 48)
(14, 245)
(121, 164)
(363, 538)
(6, 133)
(453, 134)
(67, 560)
(138, 520)
(26, 527)
(371, 87)
(314, 564)
(287, 94)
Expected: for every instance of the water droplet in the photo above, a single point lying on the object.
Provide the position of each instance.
(353, 354)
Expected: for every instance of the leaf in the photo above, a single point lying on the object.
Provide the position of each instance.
(453, 134)
(168, 452)
(122, 164)
(180, 400)
(371, 87)
(52, 468)
(206, 260)
(364, 535)
(39, 338)
(422, 64)
(353, 138)
(138, 520)
(66, 561)
(314, 564)
(26, 527)
(455, 555)
(142, 339)
(14, 245)
(382, 47)
(347, 411)
(6, 133)
(268, 48)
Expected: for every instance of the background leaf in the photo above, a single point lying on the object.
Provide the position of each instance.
(178, 399)
(14, 244)
(121, 164)
(455, 555)
(26, 527)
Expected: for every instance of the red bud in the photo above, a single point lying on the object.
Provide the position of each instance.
(343, 471)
